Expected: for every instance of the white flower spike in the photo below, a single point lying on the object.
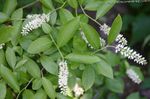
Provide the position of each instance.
(63, 77)
(1, 45)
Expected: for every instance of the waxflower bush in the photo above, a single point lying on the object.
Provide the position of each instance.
(56, 54)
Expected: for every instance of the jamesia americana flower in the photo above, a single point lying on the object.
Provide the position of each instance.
(34, 21)
(133, 76)
(63, 77)
(122, 47)
(78, 91)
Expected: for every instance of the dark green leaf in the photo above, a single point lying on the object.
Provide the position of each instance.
(9, 77)
(88, 78)
(48, 87)
(43, 43)
(115, 85)
(91, 35)
(27, 94)
(67, 31)
(2, 57)
(83, 58)
(49, 65)
(11, 57)
(40, 94)
(73, 3)
(115, 29)
(36, 84)
(48, 4)
(134, 95)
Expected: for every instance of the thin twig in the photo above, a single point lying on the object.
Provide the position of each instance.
(30, 4)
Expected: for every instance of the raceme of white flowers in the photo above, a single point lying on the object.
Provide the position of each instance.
(63, 77)
(133, 76)
(78, 90)
(102, 41)
(122, 47)
(1, 45)
(34, 21)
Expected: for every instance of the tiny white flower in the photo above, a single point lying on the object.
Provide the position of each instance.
(63, 77)
(78, 91)
(105, 28)
(133, 76)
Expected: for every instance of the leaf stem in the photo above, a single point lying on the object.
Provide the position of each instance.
(89, 16)
(24, 88)
(30, 4)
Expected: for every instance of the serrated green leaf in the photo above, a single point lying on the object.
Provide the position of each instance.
(27, 94)
(3, 17)
(2, 90)
(36, 84)
(49, 65)
(48, 87)
(43, 43)
(11, 57)
(82, 58)
(88, 78)
(91, 35)
(9, 78)
(115, 85)
(67, 31)
(104, 7)
(104, 68)
(32, 68)
(65, 15)
(73, 3)
(9, 6)
(115, 29)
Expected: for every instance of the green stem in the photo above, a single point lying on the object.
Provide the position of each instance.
(24, 88)
(56, 46)
(89, 16)
(30, 4)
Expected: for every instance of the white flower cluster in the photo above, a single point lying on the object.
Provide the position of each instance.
(1, 45)
(102, 41)
(78, 91)
(63, 77)
(122, 47)
(133, 76)
(34, 21)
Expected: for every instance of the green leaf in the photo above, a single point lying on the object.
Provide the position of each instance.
(9, 78)
(88, 78)
(2, 57)
(9, 6)
(48, 4)
(93, 5)
(16, 16)
(27, 94)
(82, 58)
(91, 35)
(115, 85)
(2, 90)
(40, 94)
(11, 57)
(104, 68)
(84, 18)
(104, 8)
(73, 3)
(134, 95)
(67, 31)
(65, 16)
(46, 28)
(115, 29)
(53, 17)
(44, 43)
(32, 68)
(36, 84)
(20, 63)
(3, 17)
(6, 33)
(48, 87)
(49, 65)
